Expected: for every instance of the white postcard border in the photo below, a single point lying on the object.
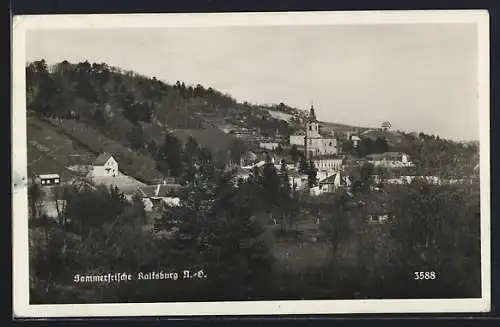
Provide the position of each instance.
(21, 24)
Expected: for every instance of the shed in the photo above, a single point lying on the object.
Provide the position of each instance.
(49, 179)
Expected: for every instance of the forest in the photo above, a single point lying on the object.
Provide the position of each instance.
(98, 93)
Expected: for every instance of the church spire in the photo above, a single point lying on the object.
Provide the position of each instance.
(312, 114)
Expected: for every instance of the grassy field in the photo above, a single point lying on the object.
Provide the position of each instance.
(126, 184)
(296, 254)
(41, 163)
(132, 163)
(211, 138)
(51, 152)
(294, 257)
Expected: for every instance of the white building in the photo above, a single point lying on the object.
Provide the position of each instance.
(355, 141)
(49, 179)
(328, 162)
(298, 138)
(104, 166)
(390, 160)
(269, 145)
(409, 179)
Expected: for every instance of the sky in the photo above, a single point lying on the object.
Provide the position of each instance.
(419, 77)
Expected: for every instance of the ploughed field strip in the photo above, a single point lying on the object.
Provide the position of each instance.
(50, 151)
(140, 166)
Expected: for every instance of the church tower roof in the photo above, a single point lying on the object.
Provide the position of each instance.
(312, 115)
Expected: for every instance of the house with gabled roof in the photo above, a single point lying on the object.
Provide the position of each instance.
(157, 195)
(105, 166)
(333, 182)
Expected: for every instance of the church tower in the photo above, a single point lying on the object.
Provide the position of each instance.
(312, 132)
(312, 125)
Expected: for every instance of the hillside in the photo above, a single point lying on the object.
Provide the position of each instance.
(103, 108)
(101, 92)
(51, 152)
(210, 137)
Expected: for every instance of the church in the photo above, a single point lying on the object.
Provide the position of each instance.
(316, 143)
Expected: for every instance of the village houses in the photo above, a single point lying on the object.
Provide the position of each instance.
(390, 160)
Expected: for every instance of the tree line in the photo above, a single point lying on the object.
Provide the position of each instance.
(98, 92)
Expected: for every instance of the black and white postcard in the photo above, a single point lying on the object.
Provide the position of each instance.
(251, 163)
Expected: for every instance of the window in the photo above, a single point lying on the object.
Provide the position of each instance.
(310, 127)
(330, 143)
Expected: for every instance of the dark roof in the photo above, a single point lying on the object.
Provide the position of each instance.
(102, 159)
(299, 132)
(331, 179)
(160, 190)
(328, 180)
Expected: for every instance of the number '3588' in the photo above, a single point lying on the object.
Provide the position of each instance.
(424, 275)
